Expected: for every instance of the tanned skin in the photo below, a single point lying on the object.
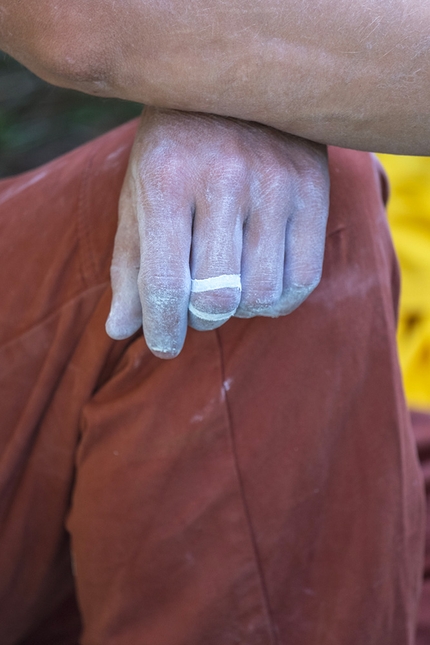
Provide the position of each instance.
(333, 72)
(353, 74)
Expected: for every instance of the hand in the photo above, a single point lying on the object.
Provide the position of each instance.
(217, 218)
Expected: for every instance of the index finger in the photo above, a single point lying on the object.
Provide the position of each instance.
(164, 280)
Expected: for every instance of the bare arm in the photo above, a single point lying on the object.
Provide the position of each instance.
(334, 71)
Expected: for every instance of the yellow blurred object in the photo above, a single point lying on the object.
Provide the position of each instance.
(409, 216)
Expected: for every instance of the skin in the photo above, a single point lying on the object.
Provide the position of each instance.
(207, 196)
(333, 71)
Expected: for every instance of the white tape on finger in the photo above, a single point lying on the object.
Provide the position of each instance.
(203, 315)
(218, 282)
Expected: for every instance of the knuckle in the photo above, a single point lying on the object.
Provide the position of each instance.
(278, 177)
(166, 162)
(313, 196)
(312, 189)
(161, 169)
(274, 181)
(230, 167)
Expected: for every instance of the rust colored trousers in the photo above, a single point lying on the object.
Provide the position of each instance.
(262, 488)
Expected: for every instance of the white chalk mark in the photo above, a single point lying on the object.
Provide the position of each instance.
(217, 282)
(18, 187)
(227, 384)
(212, 317)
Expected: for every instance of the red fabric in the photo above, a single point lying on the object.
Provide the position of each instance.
(421, 427)
(262, 488)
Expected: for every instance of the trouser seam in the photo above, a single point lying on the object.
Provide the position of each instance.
(247, 513)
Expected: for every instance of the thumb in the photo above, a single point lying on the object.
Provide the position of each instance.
(125, 316)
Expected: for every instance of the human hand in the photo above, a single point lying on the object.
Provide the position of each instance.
(217, 218)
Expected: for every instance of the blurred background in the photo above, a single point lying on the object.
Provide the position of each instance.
(39, 122)
(409, 219)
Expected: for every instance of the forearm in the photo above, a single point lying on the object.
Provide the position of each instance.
(355, 75)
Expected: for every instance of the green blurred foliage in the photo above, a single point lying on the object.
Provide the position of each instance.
(39, 121)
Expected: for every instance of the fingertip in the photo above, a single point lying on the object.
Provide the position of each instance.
(166, 347)
(165, 354)
(293, 297)
(120, 325)
(164, 312)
